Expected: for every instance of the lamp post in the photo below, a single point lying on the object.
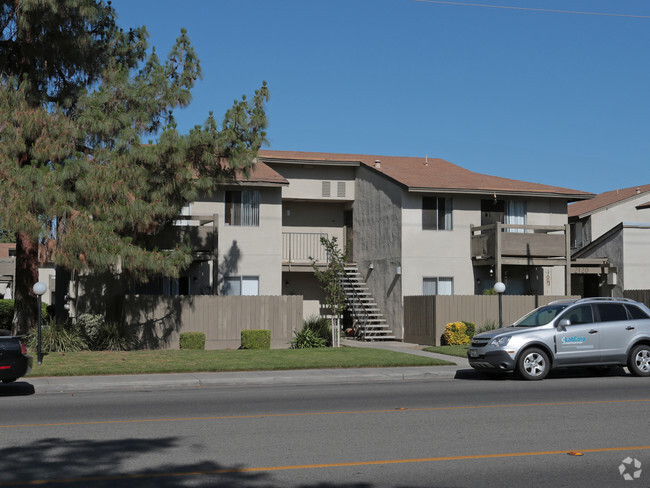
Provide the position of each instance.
(500, 288)
(39, 289)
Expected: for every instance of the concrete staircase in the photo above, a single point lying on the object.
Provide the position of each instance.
(367, 318)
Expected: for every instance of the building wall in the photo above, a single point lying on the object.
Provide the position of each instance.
(377, 239)
(636, 254)
(438, 253)
(613, 249)
(249, 251)
(606, 218)
(306, 182)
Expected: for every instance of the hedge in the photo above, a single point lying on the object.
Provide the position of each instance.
(256, 339)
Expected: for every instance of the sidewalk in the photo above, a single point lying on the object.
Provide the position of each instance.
(60, 384)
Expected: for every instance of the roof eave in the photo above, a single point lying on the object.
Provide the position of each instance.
(513, 193)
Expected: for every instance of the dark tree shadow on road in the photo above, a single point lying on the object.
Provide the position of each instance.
(59, 462)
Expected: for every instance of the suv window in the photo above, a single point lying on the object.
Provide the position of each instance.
(636, 312)
(610, 312)
(582, 314)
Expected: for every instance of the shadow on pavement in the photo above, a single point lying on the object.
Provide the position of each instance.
(62, 462)
(592, 372)
(19, 388)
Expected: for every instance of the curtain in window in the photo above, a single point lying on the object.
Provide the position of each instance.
(429, 286)
(515, 214)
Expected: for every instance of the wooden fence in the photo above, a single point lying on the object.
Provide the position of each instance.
(160, 319)
(642, 296)
(425, 317)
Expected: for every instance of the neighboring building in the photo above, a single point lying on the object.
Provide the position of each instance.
(415, 226)
(610, 242)
(8, 270)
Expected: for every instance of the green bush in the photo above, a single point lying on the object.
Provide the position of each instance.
(57, 337)
(321, 327)
(192, 340)
(90, 326)
(470, 329)
(488, 326)
(256, 339)
(306, 339)
(113, 336)
(6, 314)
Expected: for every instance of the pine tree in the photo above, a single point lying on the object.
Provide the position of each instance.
(77, 96)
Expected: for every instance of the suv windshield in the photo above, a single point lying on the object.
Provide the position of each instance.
(541, 316)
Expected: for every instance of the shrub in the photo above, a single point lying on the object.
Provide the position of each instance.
(487, 326)
(455, 334)
(306, 339)
(470, 329)
(192, 340)
(321, 327)
(113, 336)
(90, 326)
(256, 339)
(6, 314)
(57, 337)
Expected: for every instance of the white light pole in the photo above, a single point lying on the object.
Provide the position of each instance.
(39, 290)
(500, 288)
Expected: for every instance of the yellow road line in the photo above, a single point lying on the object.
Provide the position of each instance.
(306, 414)
(312, 466)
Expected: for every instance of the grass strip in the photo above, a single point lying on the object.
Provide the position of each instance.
(459, 351)
(186, 361)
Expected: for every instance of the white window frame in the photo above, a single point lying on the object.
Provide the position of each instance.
(246, 285)
(435, 282)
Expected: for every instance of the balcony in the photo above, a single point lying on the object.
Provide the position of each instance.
(508, 244)
(299, 248)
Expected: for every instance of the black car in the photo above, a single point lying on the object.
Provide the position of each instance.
(14, 360)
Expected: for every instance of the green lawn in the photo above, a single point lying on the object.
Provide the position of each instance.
(460, 351)
(185, 361)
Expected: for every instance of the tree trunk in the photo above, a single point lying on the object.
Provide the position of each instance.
(25, 302)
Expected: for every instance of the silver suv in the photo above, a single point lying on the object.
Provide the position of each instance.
(602, 332)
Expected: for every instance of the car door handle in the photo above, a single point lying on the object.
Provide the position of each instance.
(629, 327)
(593, 331)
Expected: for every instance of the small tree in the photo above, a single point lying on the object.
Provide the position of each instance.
(330, 279)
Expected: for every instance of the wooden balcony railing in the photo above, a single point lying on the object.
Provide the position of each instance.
(301, 247)
(533, 244)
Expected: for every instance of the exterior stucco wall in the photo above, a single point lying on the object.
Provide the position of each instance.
(636, 253)
(377, 239)
(606, 218)
(250, 251)
(306, 182)
(438, 253)
(546, 211)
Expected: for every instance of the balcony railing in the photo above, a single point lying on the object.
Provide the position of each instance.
(520, 241)
(302, 247)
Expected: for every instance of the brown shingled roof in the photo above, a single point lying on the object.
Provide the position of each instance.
(605, 199)
(434, 174)
(263, 173)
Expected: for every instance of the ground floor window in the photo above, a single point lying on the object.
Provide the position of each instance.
(437, 286)
(241, 285)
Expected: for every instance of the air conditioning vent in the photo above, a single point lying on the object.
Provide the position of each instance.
(326, 189)
(340, 189)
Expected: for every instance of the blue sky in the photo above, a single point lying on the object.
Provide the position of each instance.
(555, 98)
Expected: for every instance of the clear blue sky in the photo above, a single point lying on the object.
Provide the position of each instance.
(555, 98)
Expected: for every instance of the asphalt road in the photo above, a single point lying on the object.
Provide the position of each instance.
(570, 430)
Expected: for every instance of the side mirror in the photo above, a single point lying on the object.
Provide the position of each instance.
(562, 324)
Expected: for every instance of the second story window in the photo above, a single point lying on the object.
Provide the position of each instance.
(243, 208)
(436, 213)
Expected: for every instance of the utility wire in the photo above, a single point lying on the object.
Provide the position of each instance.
(535, 9)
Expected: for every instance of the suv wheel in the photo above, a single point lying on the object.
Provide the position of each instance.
(533, 364)
(639, 361)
